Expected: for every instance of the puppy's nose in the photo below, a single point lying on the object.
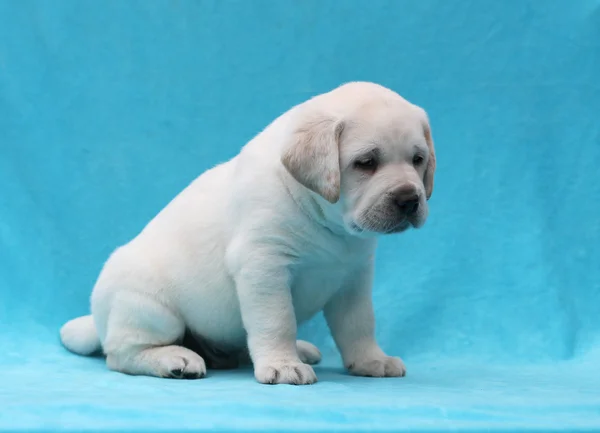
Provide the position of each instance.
(407, 199)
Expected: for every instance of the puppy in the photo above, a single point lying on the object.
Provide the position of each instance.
(259, 244)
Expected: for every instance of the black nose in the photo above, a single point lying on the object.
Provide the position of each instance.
(407, 200)
(410, 206)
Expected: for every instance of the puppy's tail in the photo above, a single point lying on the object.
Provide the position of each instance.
(80, 336)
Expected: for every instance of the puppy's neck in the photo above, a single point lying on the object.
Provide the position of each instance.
(314, 207)
(326, 214)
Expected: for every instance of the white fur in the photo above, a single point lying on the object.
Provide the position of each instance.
(263, 242)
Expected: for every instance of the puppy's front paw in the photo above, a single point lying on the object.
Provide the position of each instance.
(384, 366)
(293, 373)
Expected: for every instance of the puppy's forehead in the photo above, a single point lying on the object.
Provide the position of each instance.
(388, 124)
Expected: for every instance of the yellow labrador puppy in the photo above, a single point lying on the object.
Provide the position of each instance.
(263, 242)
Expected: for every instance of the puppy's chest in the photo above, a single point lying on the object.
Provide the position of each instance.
(313, 286)
(323, 270)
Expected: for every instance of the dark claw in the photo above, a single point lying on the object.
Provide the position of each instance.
(275, 377)
(176, 372)
(299, 373)
(187, 375)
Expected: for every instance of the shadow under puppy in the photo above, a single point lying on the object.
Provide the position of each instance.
(261, 243)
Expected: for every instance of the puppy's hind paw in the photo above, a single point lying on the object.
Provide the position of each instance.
(308, 353)
(180, 363)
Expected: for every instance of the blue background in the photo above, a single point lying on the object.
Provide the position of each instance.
(109, 109)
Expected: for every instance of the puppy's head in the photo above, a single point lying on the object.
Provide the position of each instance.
(369, 153)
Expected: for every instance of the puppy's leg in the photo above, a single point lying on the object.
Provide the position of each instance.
(350, 317)
(269, 318)
(307, 352)
(141, 336)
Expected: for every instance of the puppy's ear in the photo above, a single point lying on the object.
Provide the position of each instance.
(430, 170)
(312, 155)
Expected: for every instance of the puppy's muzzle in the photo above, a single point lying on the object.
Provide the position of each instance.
(406, 198)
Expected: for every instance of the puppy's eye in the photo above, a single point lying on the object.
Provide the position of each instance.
(418, 159)
(367, 164)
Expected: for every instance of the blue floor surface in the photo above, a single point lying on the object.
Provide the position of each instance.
(46, 389)
(109, 109)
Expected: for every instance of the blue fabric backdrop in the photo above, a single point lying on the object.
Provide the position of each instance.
(108, 109)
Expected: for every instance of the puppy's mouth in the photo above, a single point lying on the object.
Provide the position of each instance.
(381, 229)
(404, 225)
(387, 216)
